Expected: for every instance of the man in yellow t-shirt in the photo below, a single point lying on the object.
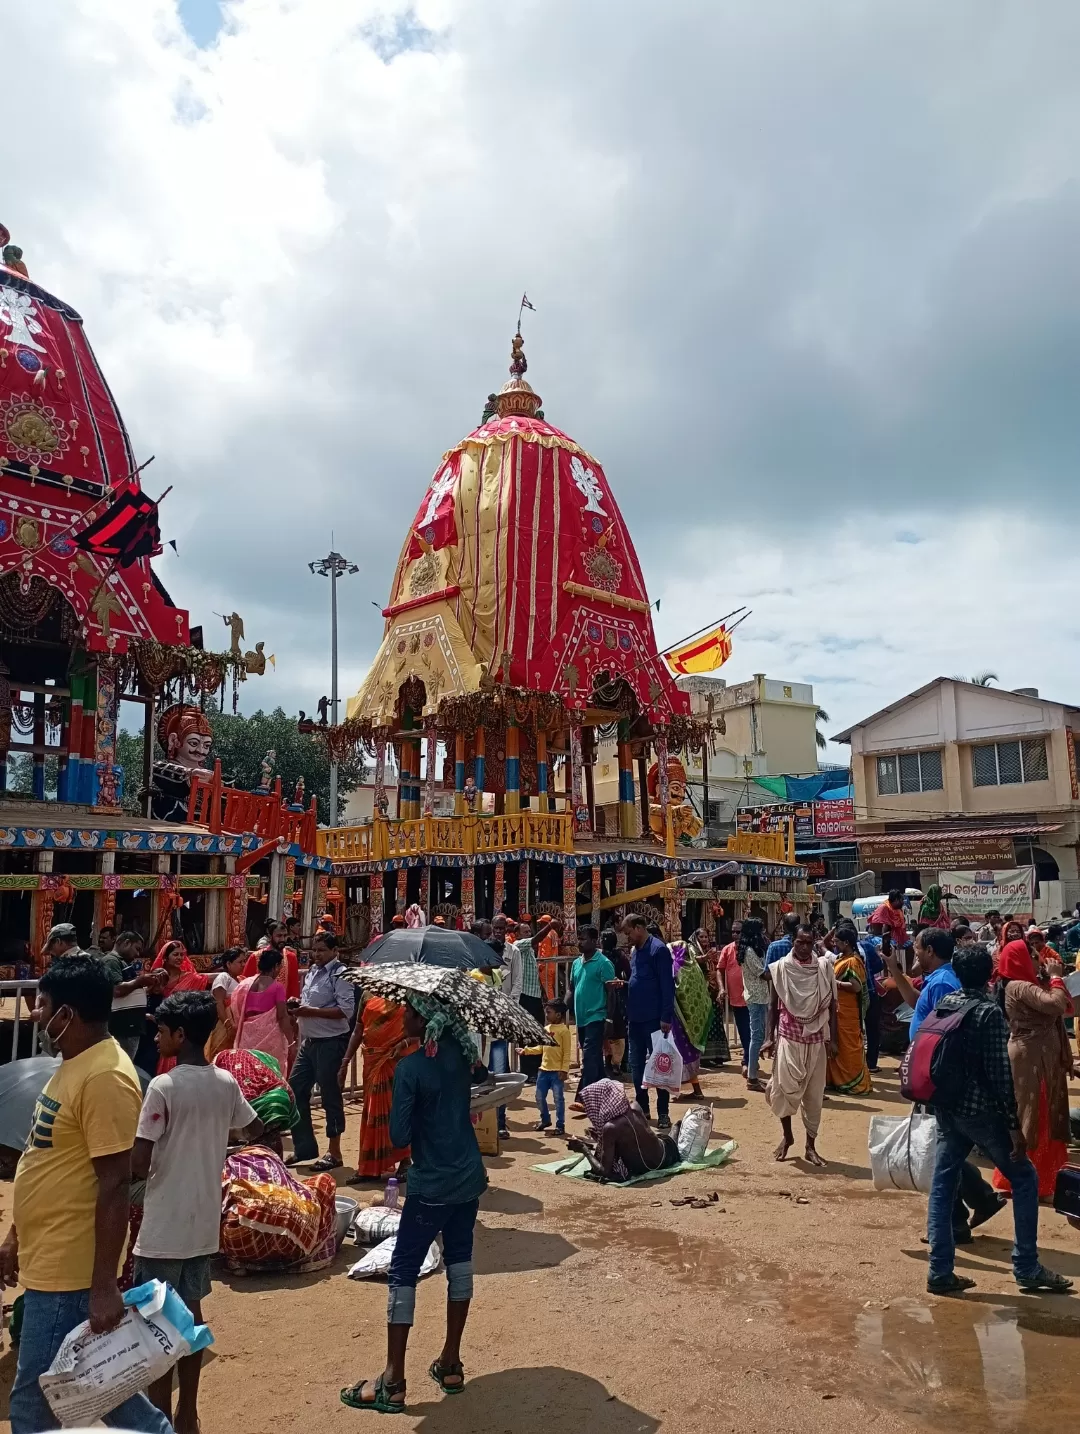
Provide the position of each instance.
(71, 1190)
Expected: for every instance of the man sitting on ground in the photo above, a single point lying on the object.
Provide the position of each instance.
(625, 1143)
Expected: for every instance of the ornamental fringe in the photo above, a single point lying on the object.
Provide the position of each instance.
(490, 708)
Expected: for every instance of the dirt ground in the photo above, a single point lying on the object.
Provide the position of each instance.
(796, 1301)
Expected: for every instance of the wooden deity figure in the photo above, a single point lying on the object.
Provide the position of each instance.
(184, 736)
(685, 822)
(266, 770)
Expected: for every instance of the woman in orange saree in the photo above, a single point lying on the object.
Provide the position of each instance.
(381, 1030)
(846, 1072)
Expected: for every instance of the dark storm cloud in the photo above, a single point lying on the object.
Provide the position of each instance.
(791, 264)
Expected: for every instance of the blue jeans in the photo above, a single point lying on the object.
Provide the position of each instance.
(758, 1015)
(591, 1044)
(499, 1064)
(47, 1318)
(957, 1137)
(742, 1025)
(639, 1034)
(550, 1081)
(420, 1224)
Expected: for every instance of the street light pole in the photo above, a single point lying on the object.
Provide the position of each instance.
(333, 566)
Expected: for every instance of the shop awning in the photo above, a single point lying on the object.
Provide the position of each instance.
(939, 831)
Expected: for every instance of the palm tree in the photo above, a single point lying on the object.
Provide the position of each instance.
(822, 716)
(980, 679)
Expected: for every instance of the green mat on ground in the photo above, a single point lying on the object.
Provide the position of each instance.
(575, 1167)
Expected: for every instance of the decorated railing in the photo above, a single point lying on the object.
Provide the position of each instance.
(228, 809)
(462, 836)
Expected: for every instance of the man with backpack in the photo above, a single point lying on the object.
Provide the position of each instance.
(934, 951)
(975, 1105)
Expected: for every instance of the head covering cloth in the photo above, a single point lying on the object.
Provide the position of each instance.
(442, 1020)
(1015, 962)
(604, 1100)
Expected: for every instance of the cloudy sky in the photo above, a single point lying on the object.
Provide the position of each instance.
(805, 281)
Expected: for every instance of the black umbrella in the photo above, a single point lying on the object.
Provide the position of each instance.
(434, 945)
(21, 1082)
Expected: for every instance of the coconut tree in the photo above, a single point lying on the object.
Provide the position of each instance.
(980, 679)
(822, 716)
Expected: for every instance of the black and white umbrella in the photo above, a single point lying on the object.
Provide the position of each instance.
(480, 1006)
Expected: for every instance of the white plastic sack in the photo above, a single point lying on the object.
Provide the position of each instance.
(902, 1151)
(695, 1132)
(377, 1261)
(93, 1373)
(375, 1223)
(663, 1069)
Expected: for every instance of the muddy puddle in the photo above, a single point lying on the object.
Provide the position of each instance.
(986, 1363)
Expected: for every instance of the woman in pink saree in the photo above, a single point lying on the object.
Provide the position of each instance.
(260, 1014)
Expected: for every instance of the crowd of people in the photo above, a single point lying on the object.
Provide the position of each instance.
(174, 1175)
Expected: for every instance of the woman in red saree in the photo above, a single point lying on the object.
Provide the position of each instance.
(180, 975)
(259, 1012)
(381, 1030)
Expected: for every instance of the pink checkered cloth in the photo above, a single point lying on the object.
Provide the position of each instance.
(604, 1100)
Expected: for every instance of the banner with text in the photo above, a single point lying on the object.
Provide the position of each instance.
(775, 817)
(974, 893)
(835, 820)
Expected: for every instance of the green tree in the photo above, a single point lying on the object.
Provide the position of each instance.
(822, 716)
(241, 743)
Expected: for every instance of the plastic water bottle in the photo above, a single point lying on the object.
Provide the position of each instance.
(390, 1196)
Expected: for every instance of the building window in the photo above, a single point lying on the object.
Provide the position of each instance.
(909, 772)
(1004, 764)
(886, 777)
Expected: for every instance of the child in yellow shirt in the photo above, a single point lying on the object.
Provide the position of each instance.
(554, 1068)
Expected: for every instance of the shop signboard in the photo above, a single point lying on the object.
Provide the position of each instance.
(775, 816)
(835, 821)
(974, 893)
(956, 852)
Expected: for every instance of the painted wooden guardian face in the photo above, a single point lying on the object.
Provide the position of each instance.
(185, 737)
(193, 750)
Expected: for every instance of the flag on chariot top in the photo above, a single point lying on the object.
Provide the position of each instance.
(701, 654)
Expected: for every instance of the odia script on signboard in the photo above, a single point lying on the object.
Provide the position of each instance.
(974, 893)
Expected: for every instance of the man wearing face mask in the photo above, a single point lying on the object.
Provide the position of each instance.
(71, 1190)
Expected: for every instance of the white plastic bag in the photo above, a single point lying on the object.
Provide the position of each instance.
(663, 1069)
(93, 1373)
(377, 1261)
(375, 1223)
(902, 1151)
(695, 1132)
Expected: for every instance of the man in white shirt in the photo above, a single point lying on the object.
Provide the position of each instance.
(180, 1147)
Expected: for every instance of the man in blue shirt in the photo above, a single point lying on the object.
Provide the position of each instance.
(782, 946)
(650, 1006)
(934, 952)
(430, 1113)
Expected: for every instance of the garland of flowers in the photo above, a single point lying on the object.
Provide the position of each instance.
(158, 663)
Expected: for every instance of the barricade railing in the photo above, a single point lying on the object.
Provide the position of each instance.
(17, 989)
